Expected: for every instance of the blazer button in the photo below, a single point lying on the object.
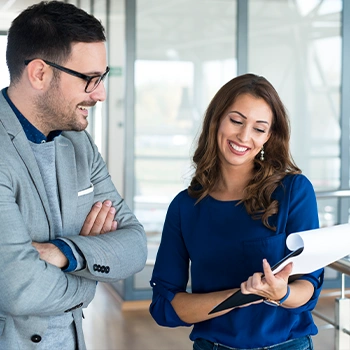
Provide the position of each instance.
(103, 269)
(107, 269)
(95, 267)
(36, 338)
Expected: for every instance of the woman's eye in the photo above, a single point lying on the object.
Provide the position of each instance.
(260, 130)
(236, 121)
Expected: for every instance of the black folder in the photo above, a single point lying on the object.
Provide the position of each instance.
(239, 299)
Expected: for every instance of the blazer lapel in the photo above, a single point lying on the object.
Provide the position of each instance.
(22, 146)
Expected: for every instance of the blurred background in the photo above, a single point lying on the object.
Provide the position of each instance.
(169, 57)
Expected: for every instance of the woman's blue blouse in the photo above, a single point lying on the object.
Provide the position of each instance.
(219, 245)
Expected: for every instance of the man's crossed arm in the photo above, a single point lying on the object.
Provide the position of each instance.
(100, 220)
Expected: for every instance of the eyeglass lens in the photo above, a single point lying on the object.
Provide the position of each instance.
(93, 83)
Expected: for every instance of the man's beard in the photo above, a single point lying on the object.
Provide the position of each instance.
(55, 113)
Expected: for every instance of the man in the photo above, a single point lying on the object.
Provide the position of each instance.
(58, 207)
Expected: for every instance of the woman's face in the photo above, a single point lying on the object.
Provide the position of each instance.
(243, 131)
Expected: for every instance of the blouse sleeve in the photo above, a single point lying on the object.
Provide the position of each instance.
(171, 270)
(303, 215)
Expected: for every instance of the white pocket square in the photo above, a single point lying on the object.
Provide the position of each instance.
(86, 191)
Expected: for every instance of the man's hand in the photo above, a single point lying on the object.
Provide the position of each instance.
(100, 219)
(51, 254)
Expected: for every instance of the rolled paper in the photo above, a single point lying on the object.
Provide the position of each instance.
(322, 247)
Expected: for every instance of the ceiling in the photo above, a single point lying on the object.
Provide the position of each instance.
(197, 30)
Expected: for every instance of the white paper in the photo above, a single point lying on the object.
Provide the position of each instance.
(322, 247)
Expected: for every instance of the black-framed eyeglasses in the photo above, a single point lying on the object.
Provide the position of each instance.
(92, 80)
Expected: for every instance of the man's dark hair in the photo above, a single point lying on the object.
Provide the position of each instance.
(47, 30)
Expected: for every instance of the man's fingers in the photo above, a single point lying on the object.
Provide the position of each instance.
(100, 219)
(90, 219)
(51, 254)
(109, 221)
(104, 218)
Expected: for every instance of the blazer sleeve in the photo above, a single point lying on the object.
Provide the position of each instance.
(30, 286)
(115, 255)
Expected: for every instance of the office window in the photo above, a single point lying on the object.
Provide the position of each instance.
(297, 46)
(185, 53)
(5, 78)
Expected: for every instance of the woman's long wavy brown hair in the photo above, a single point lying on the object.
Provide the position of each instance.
(269, 173)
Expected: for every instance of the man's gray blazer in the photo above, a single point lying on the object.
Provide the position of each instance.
(31, 290)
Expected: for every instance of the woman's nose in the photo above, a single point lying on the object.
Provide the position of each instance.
(244, 134)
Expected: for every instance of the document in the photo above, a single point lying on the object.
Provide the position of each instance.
(310, 251)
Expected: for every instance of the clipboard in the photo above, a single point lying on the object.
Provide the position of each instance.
(239, 299)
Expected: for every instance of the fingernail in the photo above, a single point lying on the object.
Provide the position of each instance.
(98, 204)
(112, 210)
(108, 203)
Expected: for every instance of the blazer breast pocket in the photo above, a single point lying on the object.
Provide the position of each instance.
(86, 191)
(85, 199)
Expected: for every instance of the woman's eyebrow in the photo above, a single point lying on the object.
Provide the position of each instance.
(243, 116)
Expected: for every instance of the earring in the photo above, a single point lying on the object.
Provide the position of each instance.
(262, 154)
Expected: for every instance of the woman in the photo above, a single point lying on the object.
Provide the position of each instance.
(231, 224)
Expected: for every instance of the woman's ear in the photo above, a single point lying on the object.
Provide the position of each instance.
(39, 74)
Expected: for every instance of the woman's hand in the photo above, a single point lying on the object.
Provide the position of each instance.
(274, 287)
(268, 285)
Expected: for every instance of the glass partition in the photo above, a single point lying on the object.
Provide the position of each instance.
(302, 59)
(185, 51)
(5, 78)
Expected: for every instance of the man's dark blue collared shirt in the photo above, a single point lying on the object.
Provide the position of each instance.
(32, 133)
